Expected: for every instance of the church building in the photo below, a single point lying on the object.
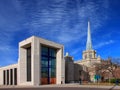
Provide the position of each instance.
(89, 57)
(84, 68)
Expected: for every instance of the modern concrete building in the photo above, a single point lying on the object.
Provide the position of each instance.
(8, 75)
(40, 62)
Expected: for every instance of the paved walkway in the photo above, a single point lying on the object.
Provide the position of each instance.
(88, 86)
(66, 85)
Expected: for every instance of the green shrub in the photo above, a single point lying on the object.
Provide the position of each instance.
(114, 80)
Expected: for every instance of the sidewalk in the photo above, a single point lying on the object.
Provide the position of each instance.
(66, 85)
(88, 86)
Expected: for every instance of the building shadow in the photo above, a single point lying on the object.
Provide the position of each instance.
(112, 87)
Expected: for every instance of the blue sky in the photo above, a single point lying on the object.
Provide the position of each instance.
(61, 21)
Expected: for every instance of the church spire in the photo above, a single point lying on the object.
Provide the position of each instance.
(89, 42)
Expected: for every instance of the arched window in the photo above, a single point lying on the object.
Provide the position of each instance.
(85, 56)
(90, 55)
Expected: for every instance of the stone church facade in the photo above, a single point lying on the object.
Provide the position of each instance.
(82, 69)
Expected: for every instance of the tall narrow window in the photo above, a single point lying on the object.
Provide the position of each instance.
(11, 76)
(4, 78)
(90, 55)
(15, 76)
(7, 77)
(29, 64)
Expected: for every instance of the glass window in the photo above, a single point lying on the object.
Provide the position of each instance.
(4, 78)
(44, 51)
(48, 63)
(11, 76)
(52, 52)
(29, 52)
(44, 58)
(15, 76)
(28, 64)
(44, 72)
(7, 77)
(44, 63)
(53, 72)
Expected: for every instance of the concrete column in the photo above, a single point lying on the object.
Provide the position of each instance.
(35, 61)
(63, 66)
(5, 77)
(22, 66)
(13, 77)
(9, 78)
(59, 75)
(1, 76)
(40, 64)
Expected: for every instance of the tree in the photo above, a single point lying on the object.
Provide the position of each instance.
(108, 69)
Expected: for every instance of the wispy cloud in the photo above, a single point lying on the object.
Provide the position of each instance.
(65, 17)
(63, 21)
(101, 44)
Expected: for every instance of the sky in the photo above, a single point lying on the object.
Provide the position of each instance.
(61, 21)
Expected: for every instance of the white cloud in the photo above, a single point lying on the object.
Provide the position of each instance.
(66, 22)
(62, 21)
(58, 18)
(101, 44)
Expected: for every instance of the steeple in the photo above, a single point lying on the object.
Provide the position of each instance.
(89, 42)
